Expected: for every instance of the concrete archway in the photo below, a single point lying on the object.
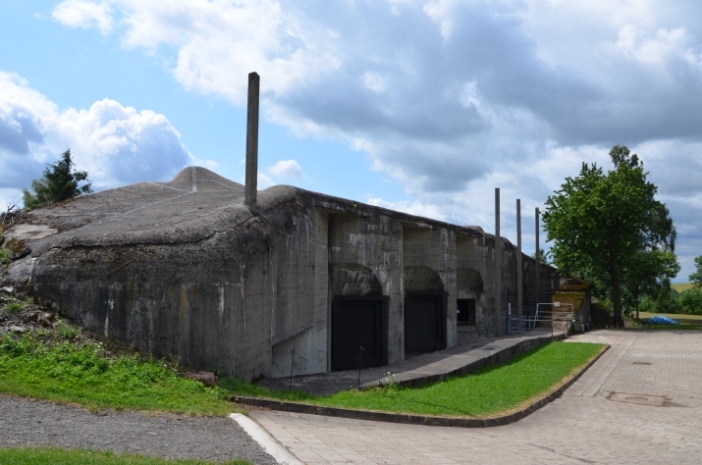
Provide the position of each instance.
(422, 278)
(353, 279)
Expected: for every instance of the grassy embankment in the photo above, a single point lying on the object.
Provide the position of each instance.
(50, 365)
(45, 365)
(490, 392)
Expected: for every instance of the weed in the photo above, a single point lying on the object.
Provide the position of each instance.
(66, 332)
(14, 308)
(390, 381)
(4, 256)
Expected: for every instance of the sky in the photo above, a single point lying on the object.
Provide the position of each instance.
(419, 106)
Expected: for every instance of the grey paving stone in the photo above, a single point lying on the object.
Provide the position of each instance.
(583, 426)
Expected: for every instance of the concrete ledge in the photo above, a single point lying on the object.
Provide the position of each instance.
(368, 415)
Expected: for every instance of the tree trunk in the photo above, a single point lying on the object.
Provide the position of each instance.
(617, 297)
(616, 286)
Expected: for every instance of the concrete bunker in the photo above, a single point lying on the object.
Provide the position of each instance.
(184, 268)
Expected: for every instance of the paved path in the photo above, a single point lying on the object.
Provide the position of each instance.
(641, 403)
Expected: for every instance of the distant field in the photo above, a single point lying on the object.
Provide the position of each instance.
(681, 286)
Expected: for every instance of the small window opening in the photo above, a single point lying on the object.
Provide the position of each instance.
(466, 312)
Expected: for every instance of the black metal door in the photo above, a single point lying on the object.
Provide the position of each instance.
(359, 321)
(425, 321)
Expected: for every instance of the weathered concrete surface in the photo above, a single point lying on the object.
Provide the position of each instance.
(183, 268)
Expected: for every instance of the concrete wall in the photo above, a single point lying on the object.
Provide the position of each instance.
(301, 303)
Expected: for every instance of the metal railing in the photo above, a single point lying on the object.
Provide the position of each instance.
(541, 318)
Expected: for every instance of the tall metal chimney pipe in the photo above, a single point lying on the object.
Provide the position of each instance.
(252, 143)
(498, 263)
(520, 268)
(537, 268)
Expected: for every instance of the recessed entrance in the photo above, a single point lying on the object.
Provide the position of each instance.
(359, 336)
(425, 321)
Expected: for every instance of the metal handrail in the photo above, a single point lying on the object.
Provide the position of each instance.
(517, 324)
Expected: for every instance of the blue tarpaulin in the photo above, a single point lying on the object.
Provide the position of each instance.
(663, 320)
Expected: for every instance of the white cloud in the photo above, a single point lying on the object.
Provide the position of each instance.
(124, 145)
(451, 97)
(220, 41)
(117, 145)
(263, 181)
(374, 81)
(84, 14)
(657, 48)
(287, 169)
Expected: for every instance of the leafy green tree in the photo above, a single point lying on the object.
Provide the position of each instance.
(667, 301)
(648, 273)
(696, 277)
(58, 183)
(598, 221)
(543, 257)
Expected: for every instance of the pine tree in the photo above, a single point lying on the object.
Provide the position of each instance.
(58, 183)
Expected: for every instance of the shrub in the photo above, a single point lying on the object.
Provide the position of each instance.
(691, 301)
(66, 331)
(648, 305)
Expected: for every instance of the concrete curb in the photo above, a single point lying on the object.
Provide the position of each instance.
(368, 415)
(272, 447)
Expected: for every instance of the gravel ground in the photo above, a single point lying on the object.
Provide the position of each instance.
(30, 423)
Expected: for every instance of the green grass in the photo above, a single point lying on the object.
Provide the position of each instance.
(63, 366)
(86, 374)
(683, 327)
(84, 457)
(14, 308)
(487, 393)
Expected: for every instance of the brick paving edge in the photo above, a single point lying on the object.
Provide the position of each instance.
(296, 407)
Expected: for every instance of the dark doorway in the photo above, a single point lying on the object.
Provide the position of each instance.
(466, 312)
(425, 321)
(359, 321)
